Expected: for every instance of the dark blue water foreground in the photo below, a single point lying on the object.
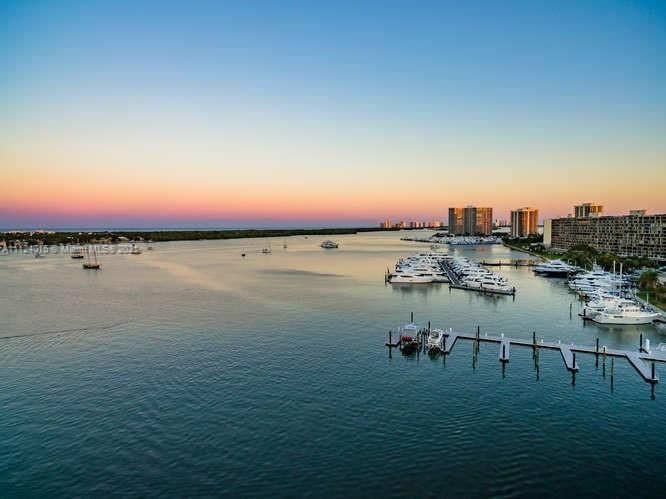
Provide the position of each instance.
(191, 371)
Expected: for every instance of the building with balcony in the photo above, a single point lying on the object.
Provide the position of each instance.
(587, 210)
(470, 220)
(634, 235)
(524, 222)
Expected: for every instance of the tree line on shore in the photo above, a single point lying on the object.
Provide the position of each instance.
(84, 237)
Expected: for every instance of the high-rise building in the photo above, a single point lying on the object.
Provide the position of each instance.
(524, 222)
(587, 210)
(386, 224)
(470, 220)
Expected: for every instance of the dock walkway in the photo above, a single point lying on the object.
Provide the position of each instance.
(642, 360)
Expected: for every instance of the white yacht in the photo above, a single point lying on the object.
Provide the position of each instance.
(410, 278)
(554, 268)
(624, 314)
(329, 244)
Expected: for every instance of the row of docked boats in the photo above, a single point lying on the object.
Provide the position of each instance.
(410, 335)
(466, 240)
(421, 268)
(472, 276)
(609, 295)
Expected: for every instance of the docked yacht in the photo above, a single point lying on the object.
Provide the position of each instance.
(554, 268)
(410, 278)
(624, 313)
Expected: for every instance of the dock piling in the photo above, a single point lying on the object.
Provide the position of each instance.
(640, 345)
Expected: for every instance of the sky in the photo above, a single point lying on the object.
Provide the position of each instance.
(229, 114)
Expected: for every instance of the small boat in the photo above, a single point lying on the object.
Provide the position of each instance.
(150, 248)
(435, 341)
(77, 253)
(91, 262)
(243, 255)
(267, 250)
(328, 244)
(135, 250)
(408, 338)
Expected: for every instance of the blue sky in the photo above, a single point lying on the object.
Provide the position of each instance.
(295, 98)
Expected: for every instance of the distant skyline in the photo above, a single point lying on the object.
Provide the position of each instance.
(220, 114)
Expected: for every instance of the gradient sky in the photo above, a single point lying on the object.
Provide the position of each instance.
(274, 113)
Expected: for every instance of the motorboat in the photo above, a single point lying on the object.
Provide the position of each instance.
(328, 244)
(411, 278)
(77, 253)
(624, 313)
(408, 338)
(435, 341)
(554, 268)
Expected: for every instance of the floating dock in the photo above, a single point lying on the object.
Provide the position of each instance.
(642, 360)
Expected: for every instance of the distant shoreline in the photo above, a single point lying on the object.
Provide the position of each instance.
(81, 236)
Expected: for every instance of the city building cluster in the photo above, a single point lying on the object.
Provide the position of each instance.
(413, 224)
(636, 234)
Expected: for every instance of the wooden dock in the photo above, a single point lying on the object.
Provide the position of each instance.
(642, 360)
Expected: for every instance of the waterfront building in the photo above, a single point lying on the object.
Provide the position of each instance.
(524, 222)
(470, 220)
(456, 221)
(627, 235)
(587, 210)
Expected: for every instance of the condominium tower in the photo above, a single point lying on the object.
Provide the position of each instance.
(470, 221)
(524, 222)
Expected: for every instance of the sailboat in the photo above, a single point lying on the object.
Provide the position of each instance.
(91, 261)
(267, 249)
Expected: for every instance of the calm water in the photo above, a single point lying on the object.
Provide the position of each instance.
(191, 371)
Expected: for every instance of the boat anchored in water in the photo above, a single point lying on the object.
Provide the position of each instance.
(328, 244)
(91, 262)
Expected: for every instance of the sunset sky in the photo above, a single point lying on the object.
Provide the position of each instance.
(144, 114)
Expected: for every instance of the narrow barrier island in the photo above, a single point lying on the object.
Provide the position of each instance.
(14, 238)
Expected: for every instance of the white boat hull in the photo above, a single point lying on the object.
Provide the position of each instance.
(605, 319)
